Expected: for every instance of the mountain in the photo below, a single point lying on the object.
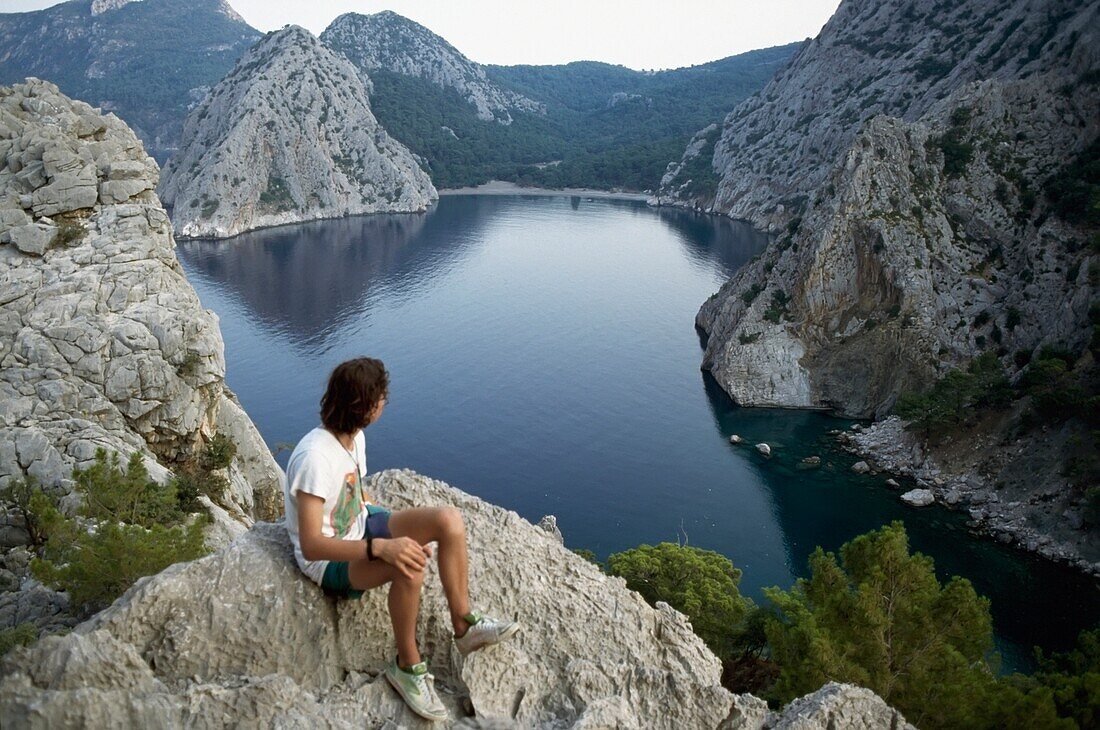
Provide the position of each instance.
(148, 61)
(582, 124)
(930, 172)
(287, 136)
(390, 42)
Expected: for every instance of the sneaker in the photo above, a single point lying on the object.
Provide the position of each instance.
(417, 687)
(484, 631)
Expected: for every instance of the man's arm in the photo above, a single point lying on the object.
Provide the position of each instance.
(404, 553)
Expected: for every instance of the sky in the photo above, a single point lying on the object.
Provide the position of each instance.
(640, 34)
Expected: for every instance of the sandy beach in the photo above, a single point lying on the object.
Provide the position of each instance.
(500, 187)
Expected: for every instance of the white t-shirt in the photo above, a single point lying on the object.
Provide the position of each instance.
(321, 465)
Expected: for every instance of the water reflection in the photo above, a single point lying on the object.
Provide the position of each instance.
(304, 281)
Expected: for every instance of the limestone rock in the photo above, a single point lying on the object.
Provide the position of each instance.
(840, 706)
(861, 467)
(393, 43)
(103, 342)
(242, 636)
(918, 497)
(890, 265)
(549, 524)
(764, 449)
(287, 136)
(735, 439)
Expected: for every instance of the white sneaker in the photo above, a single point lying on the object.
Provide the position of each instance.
(484, 631)
(417, 687)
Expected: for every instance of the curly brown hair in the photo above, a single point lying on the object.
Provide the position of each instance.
(354, 389)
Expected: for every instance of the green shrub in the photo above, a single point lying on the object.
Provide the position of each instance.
(30, 502)
(129, 496)
(700, 583)
(751, 293)
(219, 453)
(950, 401)
(589, 556)
(128, 526)
(23, 634)
(748, 338)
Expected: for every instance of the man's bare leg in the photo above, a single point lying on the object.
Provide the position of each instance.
(404, 602)
(443, 525)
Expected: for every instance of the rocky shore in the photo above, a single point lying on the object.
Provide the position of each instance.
(1036, 514)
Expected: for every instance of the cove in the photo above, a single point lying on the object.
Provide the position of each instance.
(543, 356)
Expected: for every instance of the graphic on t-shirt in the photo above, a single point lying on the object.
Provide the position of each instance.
(348, 505)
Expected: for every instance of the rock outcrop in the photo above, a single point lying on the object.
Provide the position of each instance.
(287, 136)
(394, 43)
(100, 51)
(243, 637)
(897, 262)
(103, 342)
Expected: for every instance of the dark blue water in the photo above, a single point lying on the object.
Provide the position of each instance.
(543, 356)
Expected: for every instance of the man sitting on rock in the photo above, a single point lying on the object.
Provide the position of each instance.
(347, 544)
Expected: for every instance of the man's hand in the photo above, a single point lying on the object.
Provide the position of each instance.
(403, 553)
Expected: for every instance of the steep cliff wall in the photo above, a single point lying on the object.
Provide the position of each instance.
(103, 342)
(287, 136)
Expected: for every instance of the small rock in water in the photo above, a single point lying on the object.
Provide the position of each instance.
(952, 497)
(918, 497)
(861, 467)
(764, 449)
(735, 439)
(812, 461)
(892, 483)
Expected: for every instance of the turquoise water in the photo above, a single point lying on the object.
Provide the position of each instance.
(543, 356)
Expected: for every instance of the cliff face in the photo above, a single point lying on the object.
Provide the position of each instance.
(393, 43)
(103, 342)
(100, 51)
(243, 636)
(911, 236)
(287, 136)
(898, 58)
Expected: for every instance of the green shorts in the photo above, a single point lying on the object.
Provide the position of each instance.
(335, 581)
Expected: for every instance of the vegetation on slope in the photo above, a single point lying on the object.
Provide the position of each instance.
(874, 615)
(606, 126)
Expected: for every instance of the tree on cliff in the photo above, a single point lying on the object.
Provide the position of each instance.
(878, 617)
(699, 583)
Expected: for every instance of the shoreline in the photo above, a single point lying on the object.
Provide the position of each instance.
(501, 187)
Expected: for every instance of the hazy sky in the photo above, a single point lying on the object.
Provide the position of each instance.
(639, 33)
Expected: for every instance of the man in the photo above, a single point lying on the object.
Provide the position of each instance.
(347, 544)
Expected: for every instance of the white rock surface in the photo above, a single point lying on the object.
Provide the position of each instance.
(105, 344)
(243, 638)
(287, 136)
(840, 706)
(918, 497)
(394, 43)
(764, 449)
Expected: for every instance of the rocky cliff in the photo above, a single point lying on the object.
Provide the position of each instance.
(243, 637)
(100, 51)
(393, 43)
(287, 136)
(909, 161)
(103, 342)
(908, 236)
